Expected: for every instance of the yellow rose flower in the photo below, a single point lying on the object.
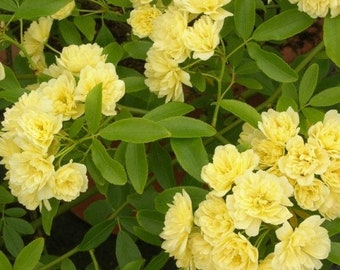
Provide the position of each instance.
(259, 197)
(303, 160)
(330, 209)
(113, 89)
(248, 134)
(2, 72)
(203, 37)
(177, 227)
(327, 133)
(279, 127)
(228, 163)
(7, 148)
(213, 218)
(138, 3)
(311, 197)
(64, 11)
(164, 77)
(314, 8)
(141, 20)
(332, 175)
(266, 263)
(235, 252)
(74, 58)
(69, 181)
(302, 248)
(268, 151)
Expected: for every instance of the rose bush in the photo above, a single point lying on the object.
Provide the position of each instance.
(201, 136)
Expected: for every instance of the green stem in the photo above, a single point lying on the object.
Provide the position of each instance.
(132, 109)
(60, 259)
(310, 56)
(94, 259)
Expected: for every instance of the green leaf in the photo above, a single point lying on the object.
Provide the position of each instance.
(12, 239)
(30, 9)
(271, 64)
(326, 97)
(15, 211)
(137, 49)
(126, 249)
(69, 32)
(97, 211)
(94, 172)
(20, 225)
(120, 3)
(93, 108)
(313, 115)
(198, 81)
(144, 200)
(8, 5)
(136, 165)
(174, 108)
(5, 196)
(331, 36)
(30, 255)
(283, 25)
(161, 167)
(165, 198)
(67, 264)
(4, 262)
(110, 169)
(97, 235)
(250, 83)
(242, 110)
(47, 216)
(134, 84)
(284, 102)
(308, 84)
(191, 155)
(114, 53)
(157, 262)
(105, 38)
(332, 226)
(146, 236)
(135, 265)
(244, 17)
(10, 82)
(135, 130)
(334, 255)
(151, 220)
(86, 25)
(187, 127)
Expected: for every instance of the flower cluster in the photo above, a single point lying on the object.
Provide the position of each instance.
(259, 190)
(316, 8)
(33, 143)
(193, 33)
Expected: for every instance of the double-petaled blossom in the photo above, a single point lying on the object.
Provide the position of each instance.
(318, 8)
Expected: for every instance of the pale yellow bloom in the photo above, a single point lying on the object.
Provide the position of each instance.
(2, 72)
(213, 218)
(203, 37)
(302, 248)
(7, 148)
(74, 58)
(311, 197)
(141, 20)
(69, 181)
(213, 8)
(268, 151)
(327, 133)
(279, 126)
(335, 8)
(248, 134)
(138, 3)
(259, 197)
(235, 252)
(332, 175)
(113, 89)
(228, 163)
(303, 160)
(177, 227)
(64, 11)
(330, 209)
(201, 250)
(266, 263)
(316, 8)
(29, 174)
(164, 77)
(168, 37)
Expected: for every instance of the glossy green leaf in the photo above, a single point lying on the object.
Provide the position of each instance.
(20, 225)
(12, 89)
(308, 83)
(126, 249)
(146, 236)
(326, 97)
(134, 84)
(8, 5)
(284, 102)
(136, 165)
(15, 212)
(165, 198)
(104, 38)
(110, 169)
(4, 262)
(170, 109)
(135, 130)
(67, 264)
(151, 220)
(12, 239)
(114, 53)
(242, 110)
(271, 64)
(30, 9)
(187, 127)
(135, 265)
(334, 255)
(30, 255)
(157, 262)
(198, 81)
(191, 155)
(69, 32)
(161, 166)
(144, 200)
(94, 172)
(312, 115)
(5, 196)
(47, 216)
(244, 17)
(76, 126)
(93, 108)
(250, 83)
(86, 25)
(137, 49)
(331, 36)
(332, 226)
(97, 211)
(97, 235)
(283, 25)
